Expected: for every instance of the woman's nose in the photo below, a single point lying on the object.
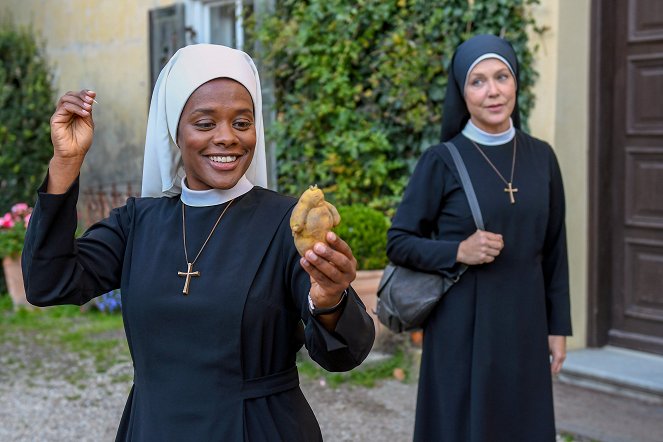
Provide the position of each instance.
(224, 135)
(492, 88)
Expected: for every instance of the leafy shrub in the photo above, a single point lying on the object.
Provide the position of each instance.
(360, 86)
(365, 230)
(26, 104)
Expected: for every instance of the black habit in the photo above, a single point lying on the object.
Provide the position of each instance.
(218, 364)
(485, 370)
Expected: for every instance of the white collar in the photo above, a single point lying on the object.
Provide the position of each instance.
(487, 139)
(213, 197)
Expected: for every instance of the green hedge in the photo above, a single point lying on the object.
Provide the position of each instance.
(365, 231)
(26, 105)
(360, 86)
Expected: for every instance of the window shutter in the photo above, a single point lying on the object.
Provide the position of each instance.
(167, 35)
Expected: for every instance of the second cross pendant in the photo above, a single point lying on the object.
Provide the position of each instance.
(188, 274)
(511, 191)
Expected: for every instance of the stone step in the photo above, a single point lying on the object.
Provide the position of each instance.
(616, 370)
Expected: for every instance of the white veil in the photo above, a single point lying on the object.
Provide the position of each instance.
(191, 67)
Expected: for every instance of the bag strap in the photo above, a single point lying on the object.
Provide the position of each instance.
(467, 184)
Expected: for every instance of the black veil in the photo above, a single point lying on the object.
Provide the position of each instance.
(455, 113)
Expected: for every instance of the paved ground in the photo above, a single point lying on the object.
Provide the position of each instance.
(606, 417)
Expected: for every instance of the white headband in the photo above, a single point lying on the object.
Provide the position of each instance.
(191, 67)
(484, 57)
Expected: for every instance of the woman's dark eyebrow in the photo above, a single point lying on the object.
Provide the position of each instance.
(207, 111)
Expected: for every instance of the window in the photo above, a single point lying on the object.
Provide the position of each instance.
(219, 21)
(167, 35)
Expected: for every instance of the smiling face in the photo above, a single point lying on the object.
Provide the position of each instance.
(490, 95)
(217, 135)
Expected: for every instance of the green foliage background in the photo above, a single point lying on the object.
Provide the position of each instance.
(26, 104)
(11, 243)
(360, 86)
(366, 234)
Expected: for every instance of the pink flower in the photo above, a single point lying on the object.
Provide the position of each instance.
(26, 220)
(19, 209)
(7, 221)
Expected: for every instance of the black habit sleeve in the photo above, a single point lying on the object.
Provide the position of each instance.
(555, 260)
(57, 269)
(409, 240)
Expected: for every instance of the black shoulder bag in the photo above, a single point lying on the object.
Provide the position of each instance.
(405, 296)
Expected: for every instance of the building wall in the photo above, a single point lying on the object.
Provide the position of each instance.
(561, 118)
(104, 46)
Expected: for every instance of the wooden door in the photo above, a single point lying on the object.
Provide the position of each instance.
(626, 176)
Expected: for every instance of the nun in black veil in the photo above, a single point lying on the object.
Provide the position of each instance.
(493, 342)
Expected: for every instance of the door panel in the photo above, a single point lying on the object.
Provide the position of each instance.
(644, 82)
(645, 20)
(644, 182)
(636, 178)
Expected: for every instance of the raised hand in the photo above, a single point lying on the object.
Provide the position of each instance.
(72, 127)
(72, 130)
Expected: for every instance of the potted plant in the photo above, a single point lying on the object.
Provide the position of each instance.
(365, 230)
(13, 226)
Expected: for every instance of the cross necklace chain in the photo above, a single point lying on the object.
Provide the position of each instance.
(189, 265)
(509, 184)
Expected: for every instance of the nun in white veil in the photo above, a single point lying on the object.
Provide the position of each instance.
(162, 167)
(216, 300)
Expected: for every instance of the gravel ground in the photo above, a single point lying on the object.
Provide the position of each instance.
(56, 410)
(382, 413)
(45, 399)
(48, 395)
(51, 395)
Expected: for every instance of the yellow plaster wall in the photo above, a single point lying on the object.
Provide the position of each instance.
(561, 118)
(541, 120)
(100, 45)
